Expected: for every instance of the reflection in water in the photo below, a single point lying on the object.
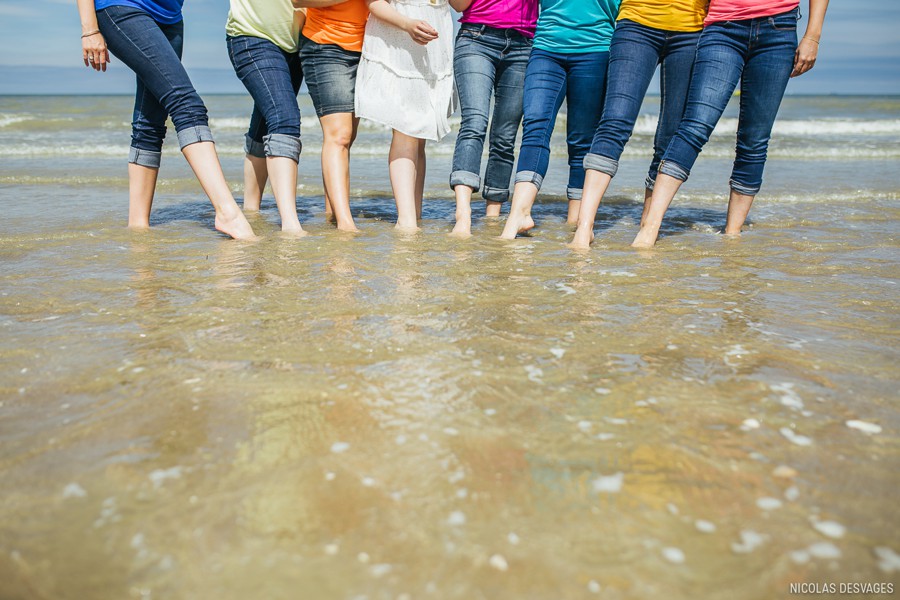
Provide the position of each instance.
(390, 417)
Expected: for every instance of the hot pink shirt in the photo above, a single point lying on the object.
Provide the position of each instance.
(739, 10)
(520, 15)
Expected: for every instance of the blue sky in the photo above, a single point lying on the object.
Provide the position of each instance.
(860, 51)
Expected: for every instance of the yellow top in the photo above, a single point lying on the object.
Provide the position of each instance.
(273, 20)
(667, 15)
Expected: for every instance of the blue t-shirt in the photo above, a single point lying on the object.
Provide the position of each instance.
(573, 26)
(166, 12)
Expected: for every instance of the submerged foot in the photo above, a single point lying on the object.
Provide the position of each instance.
(294, 231)
(404, 227)
(348, 227)
(515, 225)
(235, 226)
(582, 240)
(646, 237)
(463, 227)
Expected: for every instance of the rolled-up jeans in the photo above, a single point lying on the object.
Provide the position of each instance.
(273, 78)
(488, 62)
(759, 53)
(153, 51)
(634, 54)
(551, 77)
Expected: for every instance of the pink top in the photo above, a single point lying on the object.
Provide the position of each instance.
(519, 15)
(739, 10)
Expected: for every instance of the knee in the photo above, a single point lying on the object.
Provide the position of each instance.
(752, 148)
(148, 136)
(695, 133)
(341, 137)
(534, 130)
(473, 125)
(186, 109)
(504, 147)
(283, 122)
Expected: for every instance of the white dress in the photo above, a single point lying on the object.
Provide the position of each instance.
(404, 85)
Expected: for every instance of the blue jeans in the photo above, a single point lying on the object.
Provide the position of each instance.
(153, 52)
(330, 76)
(273, 78)
(759, 53)
(488, 61)
(550, 78)
(635, 52)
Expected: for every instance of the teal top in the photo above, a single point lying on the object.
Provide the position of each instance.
(575, 26)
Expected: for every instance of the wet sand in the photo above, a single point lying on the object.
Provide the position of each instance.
(188, 417)
(400, 417)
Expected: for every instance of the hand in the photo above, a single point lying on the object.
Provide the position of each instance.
(805, 57)
(94, 52)
(421, 32)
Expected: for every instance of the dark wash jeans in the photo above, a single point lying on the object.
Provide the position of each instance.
(552, 77)
(153, 52)
(759, 53)
(635, 52)
(273, 78)
(488, 61)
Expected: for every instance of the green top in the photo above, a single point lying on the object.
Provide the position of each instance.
(576, 26)
(272, 20)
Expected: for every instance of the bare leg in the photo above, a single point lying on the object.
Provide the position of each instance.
(329, 210)
(141, 187)
(463, 227)
(663, 193)
(648, 195)
(595, 186)
(519, 219)
(492, 209)
(404, 159)
(420, 178)
(284, 185)
(255, 176)
(339, 130)
(574, 209)
(738, 209)
(205, 163)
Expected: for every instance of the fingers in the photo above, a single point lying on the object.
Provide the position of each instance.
(426, 31)
(805, 57)
(802, 64)
(94, 53)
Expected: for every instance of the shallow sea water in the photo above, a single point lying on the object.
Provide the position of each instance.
(398, 417)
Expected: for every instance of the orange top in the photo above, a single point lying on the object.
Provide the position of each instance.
(342, 24)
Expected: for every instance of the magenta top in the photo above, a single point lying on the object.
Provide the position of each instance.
(519, 15)
(740, 10)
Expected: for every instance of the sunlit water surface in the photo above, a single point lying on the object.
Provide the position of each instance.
(384, 416)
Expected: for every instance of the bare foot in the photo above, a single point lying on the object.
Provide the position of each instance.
(516, 224)
(348, 227)
(295, 231)
(412, 227)
(235, 226)
(492, 210)
(581, 241)
(646, 237)
(463, 227)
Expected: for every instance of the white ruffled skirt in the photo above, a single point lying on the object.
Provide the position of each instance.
(403, 85)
